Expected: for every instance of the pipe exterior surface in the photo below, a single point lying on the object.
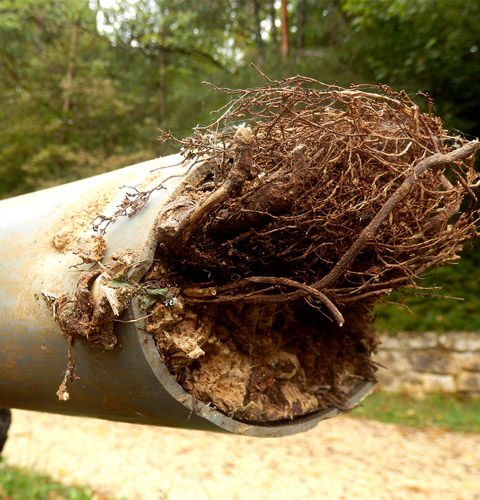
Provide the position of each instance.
(129, 383)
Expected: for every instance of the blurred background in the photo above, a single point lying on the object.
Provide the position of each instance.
(85, 84)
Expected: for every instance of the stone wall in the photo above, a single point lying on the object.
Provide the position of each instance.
(430, 362)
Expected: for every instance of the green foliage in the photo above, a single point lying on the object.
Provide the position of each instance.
(74, 97)
(427, 310)
(431, 45)
(81, 84)
(449, 412)
(121, 281)
(151, 295)
(20, 484)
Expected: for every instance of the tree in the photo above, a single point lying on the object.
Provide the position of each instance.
(85, 88)
(285, 41)
(38, 54)
(74, 95)
(431, 45)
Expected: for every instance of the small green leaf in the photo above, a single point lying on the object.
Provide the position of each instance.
(121, 281)
(147, 301)
(159, 292)
(151, 295)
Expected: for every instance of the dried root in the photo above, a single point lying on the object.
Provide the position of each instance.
(340, 196)
(349, 194)
(324, 200)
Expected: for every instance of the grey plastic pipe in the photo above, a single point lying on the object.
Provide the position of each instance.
(129, 383)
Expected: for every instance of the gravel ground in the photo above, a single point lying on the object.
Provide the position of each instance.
(343, 458)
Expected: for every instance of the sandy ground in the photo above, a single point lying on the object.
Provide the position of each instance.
(343, 458)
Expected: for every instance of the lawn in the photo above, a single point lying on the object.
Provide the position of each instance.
(449, 412)
(22, 484)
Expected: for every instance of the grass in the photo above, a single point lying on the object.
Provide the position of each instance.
(449, 412)
(21, 484)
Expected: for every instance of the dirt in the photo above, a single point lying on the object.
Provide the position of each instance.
(341, 459)
(89, 314)
(78, 221)
(90, 248)
(264, 363)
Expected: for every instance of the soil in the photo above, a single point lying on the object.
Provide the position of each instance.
(264, 363)
(343, 458)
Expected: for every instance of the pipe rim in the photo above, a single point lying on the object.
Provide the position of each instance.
(219, 419)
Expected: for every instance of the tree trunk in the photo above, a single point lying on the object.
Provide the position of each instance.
(284, 19)
(67, 86)
(258, 32)
(301, 18)
(162, 81)
(273, 18)
(162, 88)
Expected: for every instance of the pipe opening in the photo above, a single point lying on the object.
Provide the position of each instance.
(265, 363)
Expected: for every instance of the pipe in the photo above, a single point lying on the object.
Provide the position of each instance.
(129, 383)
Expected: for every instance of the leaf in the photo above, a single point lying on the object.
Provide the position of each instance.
(151, 295)
(159, 292)
(147, 301)
(121, 281)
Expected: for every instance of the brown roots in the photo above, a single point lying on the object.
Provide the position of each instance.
(336, 176)
(326, 200)
(330, 198)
